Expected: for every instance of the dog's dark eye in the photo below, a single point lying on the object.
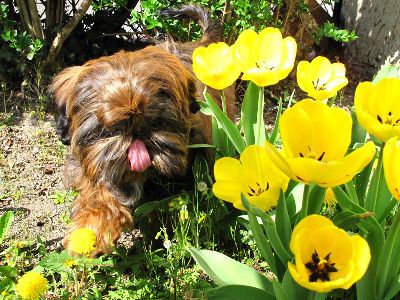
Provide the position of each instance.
(108, 132)
(163, 94)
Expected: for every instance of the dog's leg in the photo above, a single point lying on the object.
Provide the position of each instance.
(97, 209)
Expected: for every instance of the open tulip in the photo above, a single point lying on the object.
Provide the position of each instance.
(315, 140)
(326, 257)
(254, 175)
(216, 65)
(391, 165)
(321, 79)
(377, 107)
(265, 58)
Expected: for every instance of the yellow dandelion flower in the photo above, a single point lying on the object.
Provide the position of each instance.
(330, 198)
(82, 241)
(32, 286)
(70, 263)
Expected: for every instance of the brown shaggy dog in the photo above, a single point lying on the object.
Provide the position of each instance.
(130, 117)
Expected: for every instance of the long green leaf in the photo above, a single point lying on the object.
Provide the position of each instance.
(276, 243)
(228, 126)
(387, 71)
(249, 112)
(394, 289)
(389, 262)
(372, 195)
(362, 181)
(358, 134)
(259, 129)
(316, 200)
(262, 243)
(238, 292)
(5, 223)
(293, 290)
(375, 238)
(384, 199)
(282, 221)
(345, 201)
(224, 270)
(280, 292)
(347, 220)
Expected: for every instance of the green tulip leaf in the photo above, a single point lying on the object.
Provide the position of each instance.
(224, 122)
(238, 292)
(224, 270)
(249, 112)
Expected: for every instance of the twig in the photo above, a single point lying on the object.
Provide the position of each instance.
(65, 32)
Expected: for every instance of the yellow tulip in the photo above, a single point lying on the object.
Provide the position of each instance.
(265, 58)
(377, 107)
(326, 257)
(321, 79)
(216, 65)
(391, 165)
(254, 175)
(315, 140)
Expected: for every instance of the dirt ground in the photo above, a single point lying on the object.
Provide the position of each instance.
(31, 159)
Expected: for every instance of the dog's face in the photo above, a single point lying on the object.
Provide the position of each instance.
(128, 116)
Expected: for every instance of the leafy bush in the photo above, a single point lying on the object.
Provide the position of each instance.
(17, 47)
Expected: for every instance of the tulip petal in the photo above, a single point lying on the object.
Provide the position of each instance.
(261, 77)
(332, 173)
(339, 70)
(320, 70)
(269, 48)
(303, 77)
(278, 160)
(216, 65)
(377, 107)
(335, 85)
(228, 191)
(326, 257)
(361, 258)
(312, 221)
(243, 48)
(391, 166)
(313, 128)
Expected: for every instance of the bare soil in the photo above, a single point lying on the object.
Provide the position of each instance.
(31, 159)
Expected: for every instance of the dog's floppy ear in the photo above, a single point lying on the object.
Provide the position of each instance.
(62, 90)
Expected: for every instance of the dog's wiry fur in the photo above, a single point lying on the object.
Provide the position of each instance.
(107, 103)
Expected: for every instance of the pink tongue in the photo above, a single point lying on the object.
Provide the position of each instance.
(138, 156)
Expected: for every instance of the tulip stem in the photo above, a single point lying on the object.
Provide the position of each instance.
(223, 101)
(370, 202)
(260, 135)
(304, 209)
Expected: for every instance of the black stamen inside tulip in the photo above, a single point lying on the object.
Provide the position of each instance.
(388, 120)
(322, 156)
(320, 268)
(258, 190)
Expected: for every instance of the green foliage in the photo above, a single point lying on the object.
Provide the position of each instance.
(243, 14)
(106, 4)
(17, 46)
(5, 223)
(64, 197)
(330, 30)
